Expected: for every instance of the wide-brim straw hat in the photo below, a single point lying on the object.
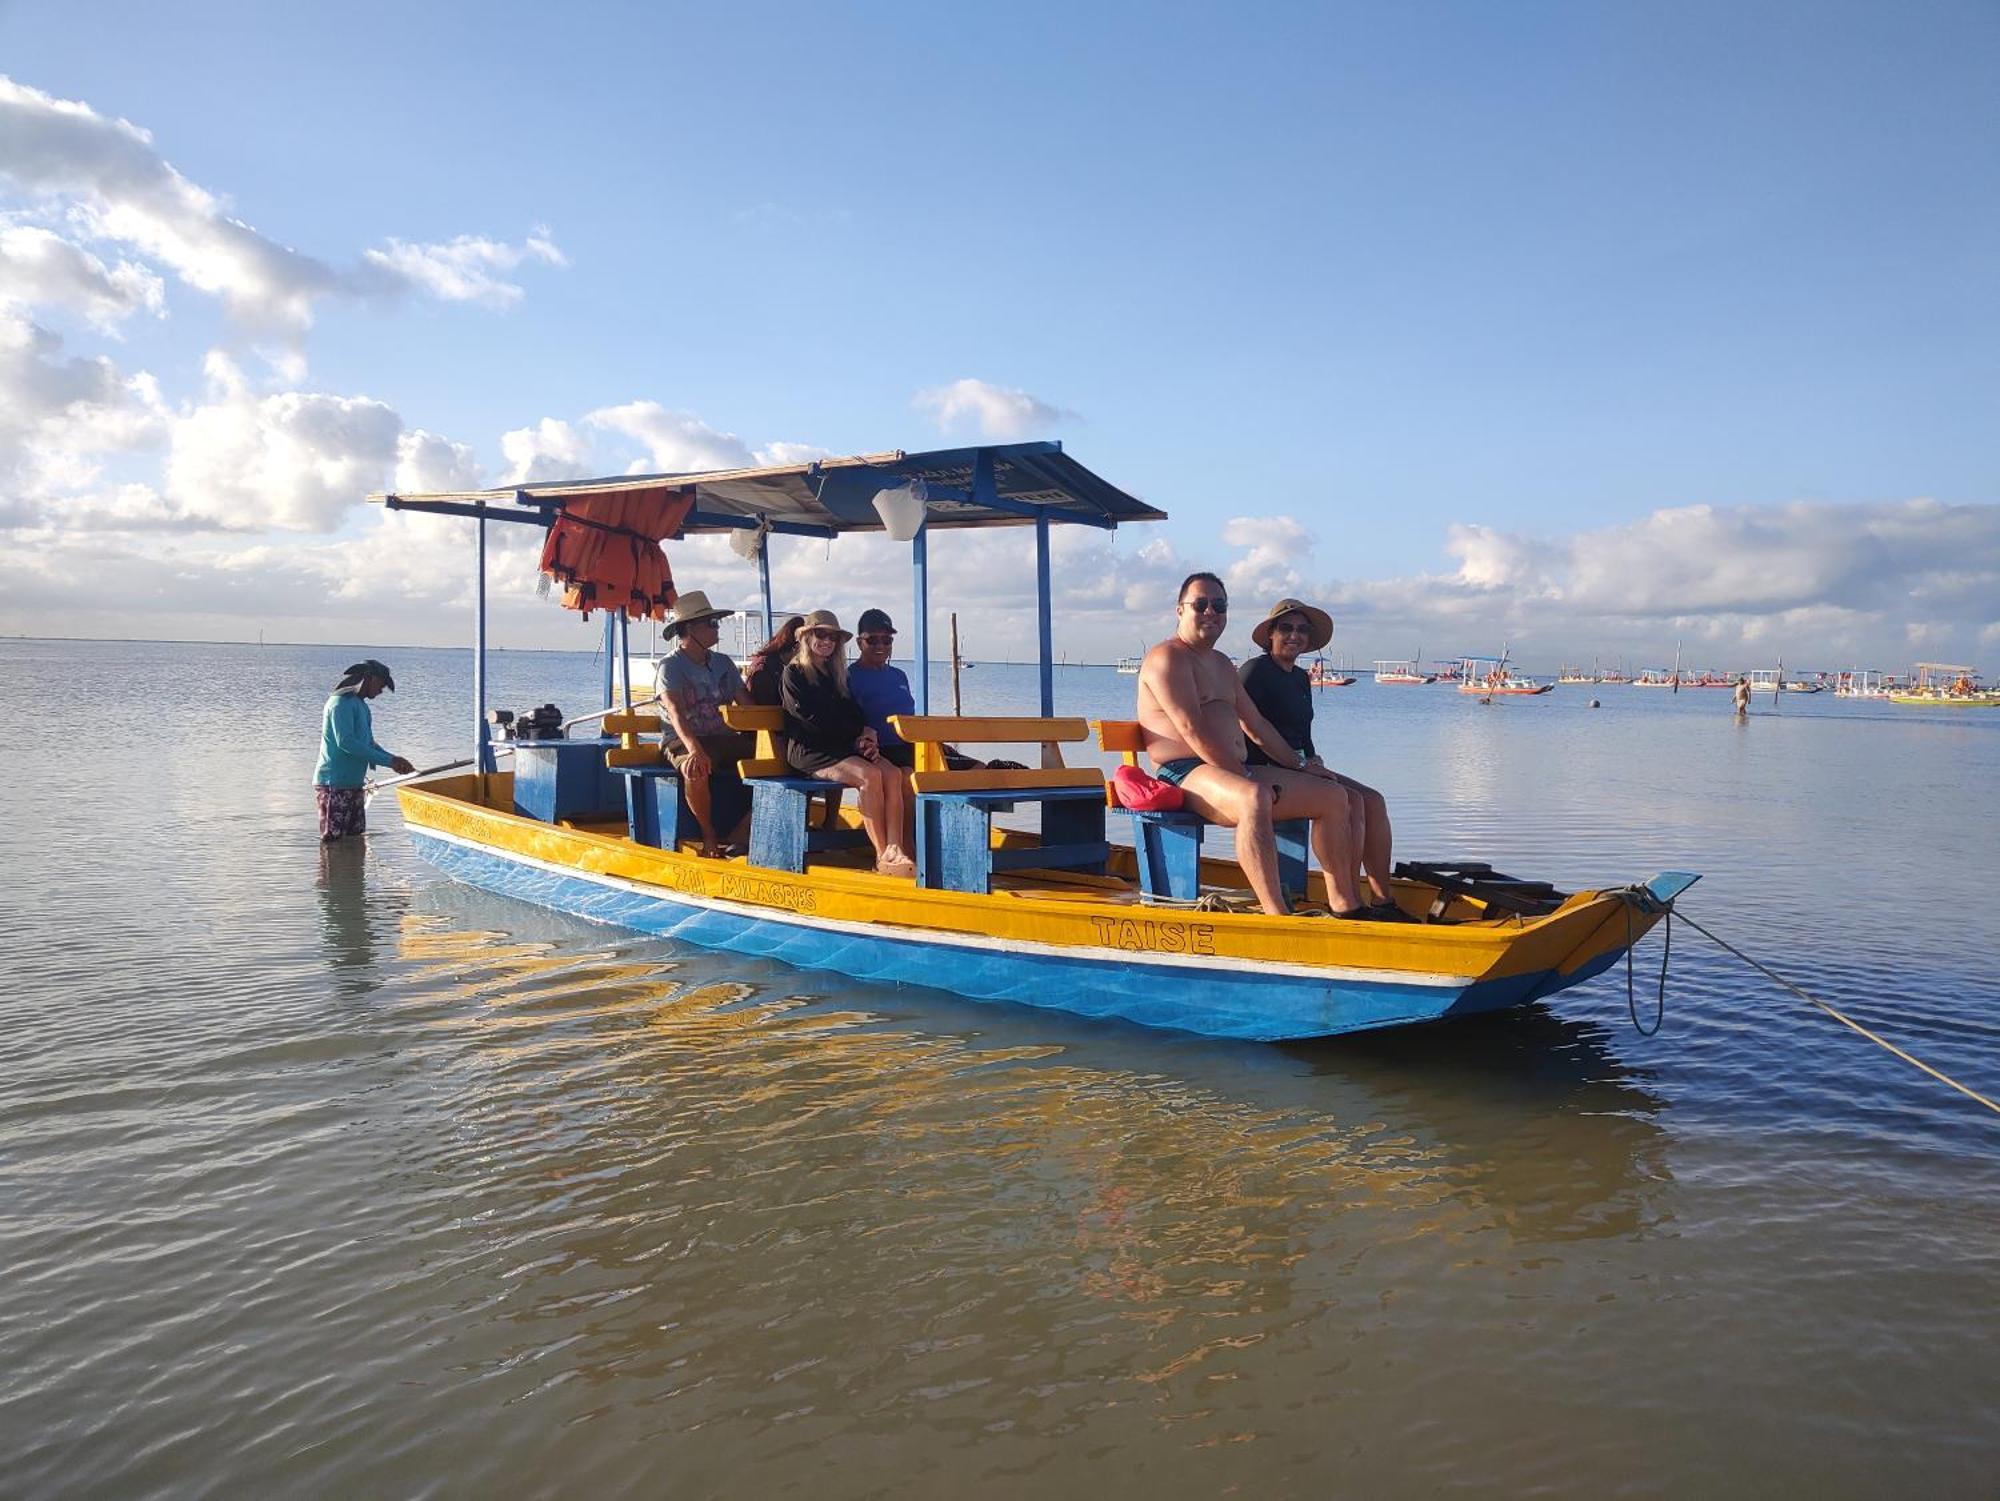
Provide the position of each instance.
(1319, 620)
(825, 620)
(689, 608)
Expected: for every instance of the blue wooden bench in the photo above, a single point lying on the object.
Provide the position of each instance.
(1167, 846)
(955, 849)
(782, 833)
(652, 787)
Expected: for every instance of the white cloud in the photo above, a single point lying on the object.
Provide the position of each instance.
(112, 184)
(675, 442)
(120, 188)
(464, 269)
(59, 414)
(426, 462)
(1275, 548)
(1000, 413)
(40, 268)
(550, 450)
(296, 460)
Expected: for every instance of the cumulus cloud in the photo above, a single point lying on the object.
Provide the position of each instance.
(550, 450)
(466, 269)
(1000, 413)
(297, 460)
(120, 188)
(40, 268)
(111, 183)
(60, 413)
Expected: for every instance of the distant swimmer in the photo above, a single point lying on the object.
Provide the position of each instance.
(347, 749)
(1742, 698)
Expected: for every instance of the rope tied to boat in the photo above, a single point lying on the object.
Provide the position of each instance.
(1637, 898)
(1845, 1020)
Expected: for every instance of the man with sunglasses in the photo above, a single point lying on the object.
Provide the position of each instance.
(880, 688)
(1194, 713)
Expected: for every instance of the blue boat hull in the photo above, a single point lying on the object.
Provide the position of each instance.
(1248, 1004)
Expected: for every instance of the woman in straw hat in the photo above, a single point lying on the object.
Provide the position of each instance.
(827, 736)
(1282, 692)
(695, 681)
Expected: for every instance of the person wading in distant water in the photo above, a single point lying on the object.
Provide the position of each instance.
(1194, 713)
(347, 749)
(1743, 698)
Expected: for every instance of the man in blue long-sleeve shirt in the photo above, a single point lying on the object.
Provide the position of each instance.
(347, 749)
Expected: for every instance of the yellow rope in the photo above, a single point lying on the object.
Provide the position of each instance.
(1845, 1021)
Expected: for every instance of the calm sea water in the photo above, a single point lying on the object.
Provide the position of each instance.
(325, 1176)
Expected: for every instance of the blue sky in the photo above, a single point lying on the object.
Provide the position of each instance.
(1454, 316)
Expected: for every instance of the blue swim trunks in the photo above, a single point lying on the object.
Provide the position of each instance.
(1176, 770)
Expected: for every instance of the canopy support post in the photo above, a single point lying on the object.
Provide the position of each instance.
(919, 567)
(482, 743)
(625, 655)
(764, 582)
(1044, 625)
(610, 651)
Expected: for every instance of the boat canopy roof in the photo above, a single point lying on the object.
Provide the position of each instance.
(991, 485)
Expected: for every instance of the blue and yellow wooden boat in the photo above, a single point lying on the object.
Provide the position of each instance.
(1076, 923)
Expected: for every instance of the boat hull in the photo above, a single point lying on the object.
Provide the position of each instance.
(1157, 968)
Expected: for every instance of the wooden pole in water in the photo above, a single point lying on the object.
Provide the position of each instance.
(1677, 667)
(956, 707)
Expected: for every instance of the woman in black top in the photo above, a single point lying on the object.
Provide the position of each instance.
(826, 736)
(1282, 692)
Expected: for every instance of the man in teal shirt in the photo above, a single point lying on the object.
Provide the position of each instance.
(347, 749)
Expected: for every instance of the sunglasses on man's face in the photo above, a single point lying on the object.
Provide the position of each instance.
(875, 640)
(1202, 604)
(1292, 628)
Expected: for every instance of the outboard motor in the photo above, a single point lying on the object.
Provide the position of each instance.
(544, 723)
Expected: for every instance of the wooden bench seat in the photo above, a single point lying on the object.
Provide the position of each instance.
(782, 833)
(1167, 846)
(955, 849)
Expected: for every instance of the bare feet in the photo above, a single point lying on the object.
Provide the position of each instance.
(895, 863)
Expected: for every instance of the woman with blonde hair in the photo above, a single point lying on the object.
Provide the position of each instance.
(828, 737)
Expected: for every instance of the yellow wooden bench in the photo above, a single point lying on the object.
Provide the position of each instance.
(929, 734)
(955, 809)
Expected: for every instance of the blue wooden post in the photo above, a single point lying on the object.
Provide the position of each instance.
(1044, 628)
(610, 652)
(482, 744)
(764, 583)
(625, 655)
(919, 566)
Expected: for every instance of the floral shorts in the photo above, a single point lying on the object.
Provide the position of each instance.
(342, 811)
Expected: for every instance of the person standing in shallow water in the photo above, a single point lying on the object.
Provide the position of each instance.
(1743, 698)
(347, 749)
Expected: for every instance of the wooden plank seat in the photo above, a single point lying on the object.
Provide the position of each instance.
(1167, 846)
(652, 787)
(782, 833)
(955, 849)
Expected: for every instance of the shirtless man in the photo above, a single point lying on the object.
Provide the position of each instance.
(1194, 712)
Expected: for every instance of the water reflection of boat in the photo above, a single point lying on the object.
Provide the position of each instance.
(996, 914)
